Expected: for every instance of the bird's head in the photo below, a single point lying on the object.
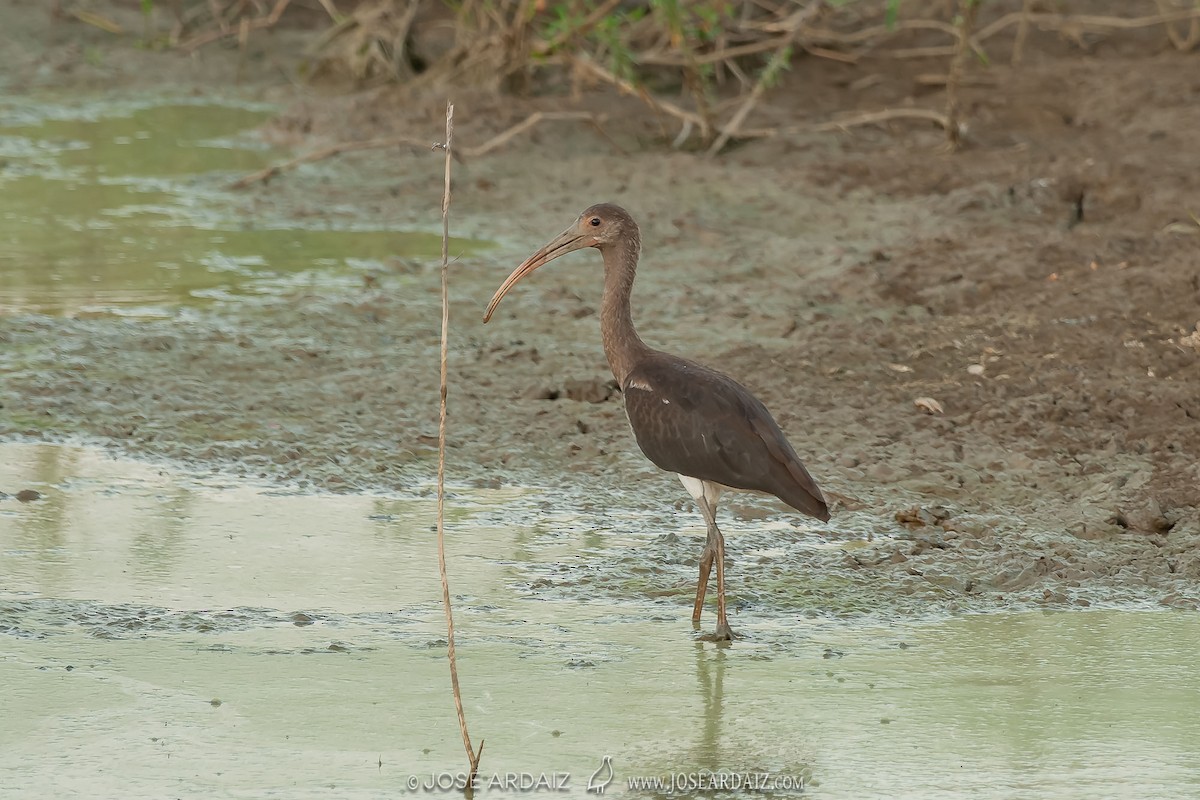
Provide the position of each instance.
(601, 226)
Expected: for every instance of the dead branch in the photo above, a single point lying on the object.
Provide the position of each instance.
(502, 138)
(850, 121)
(664, 106)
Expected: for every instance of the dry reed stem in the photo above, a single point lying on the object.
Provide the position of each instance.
(473, 755)
(267, 173)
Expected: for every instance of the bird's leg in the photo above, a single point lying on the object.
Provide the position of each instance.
(724, 632)
(706, 562)
(714, 548)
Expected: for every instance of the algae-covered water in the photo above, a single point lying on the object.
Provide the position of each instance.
(120, 207)
(169, 633)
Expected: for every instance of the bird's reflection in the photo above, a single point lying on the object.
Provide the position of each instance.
(710, 681)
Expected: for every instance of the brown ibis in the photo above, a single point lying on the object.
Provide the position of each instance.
(688, 419)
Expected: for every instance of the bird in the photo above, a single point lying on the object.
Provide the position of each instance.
(687, 419)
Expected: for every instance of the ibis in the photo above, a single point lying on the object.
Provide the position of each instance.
(688, 419)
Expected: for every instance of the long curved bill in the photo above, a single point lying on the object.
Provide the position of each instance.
(566, 242)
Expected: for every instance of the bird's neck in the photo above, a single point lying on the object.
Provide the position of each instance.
(622, 345)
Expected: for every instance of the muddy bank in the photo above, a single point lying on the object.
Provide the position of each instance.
(1041, 286)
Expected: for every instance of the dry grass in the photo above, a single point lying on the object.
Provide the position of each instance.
(703, 65)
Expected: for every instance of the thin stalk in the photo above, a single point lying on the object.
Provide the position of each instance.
(472, 754)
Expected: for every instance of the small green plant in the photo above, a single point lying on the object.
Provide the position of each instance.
(891, 13)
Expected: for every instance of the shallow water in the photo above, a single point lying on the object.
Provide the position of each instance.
(117, 207)
(222, 640)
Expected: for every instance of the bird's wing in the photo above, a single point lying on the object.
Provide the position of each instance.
(703, 424)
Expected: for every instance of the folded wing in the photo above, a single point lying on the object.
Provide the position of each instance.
(701, 423)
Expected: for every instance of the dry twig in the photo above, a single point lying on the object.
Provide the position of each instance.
(502, 138)
(663, 106)
(473, 755)
(851, 121)
(96, 20)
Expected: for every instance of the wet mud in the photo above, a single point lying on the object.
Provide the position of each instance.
(843, 278)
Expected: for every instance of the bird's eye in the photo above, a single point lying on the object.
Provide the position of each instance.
(595, 222)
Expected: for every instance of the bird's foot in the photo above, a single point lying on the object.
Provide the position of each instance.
(723, 633)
